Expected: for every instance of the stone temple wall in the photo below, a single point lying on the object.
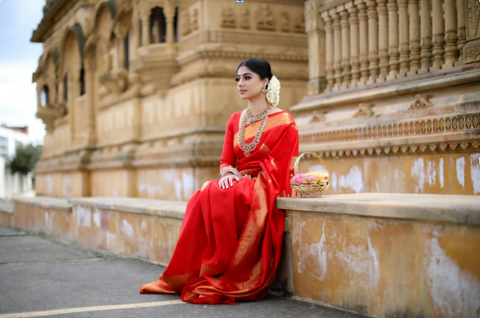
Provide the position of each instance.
(136, 95)
(393, 102)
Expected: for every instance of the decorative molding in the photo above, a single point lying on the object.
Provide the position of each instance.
(416, 127)
(364, 110)
(316, 117)
(420, 102)
(406, 150)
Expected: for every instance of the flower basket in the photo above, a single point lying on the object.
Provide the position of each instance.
(311, 184)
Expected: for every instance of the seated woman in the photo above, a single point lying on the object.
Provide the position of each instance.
(231, 237)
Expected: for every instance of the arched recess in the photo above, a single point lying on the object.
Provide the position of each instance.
(71, 63)
(103, 37)
(47, 81)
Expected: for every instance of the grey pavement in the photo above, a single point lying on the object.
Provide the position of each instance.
(38, 275)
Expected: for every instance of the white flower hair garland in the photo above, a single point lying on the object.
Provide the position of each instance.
(273, 91)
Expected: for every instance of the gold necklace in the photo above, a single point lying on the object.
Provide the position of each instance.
(251, 119)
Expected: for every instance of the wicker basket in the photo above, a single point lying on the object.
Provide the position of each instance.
(313, 189)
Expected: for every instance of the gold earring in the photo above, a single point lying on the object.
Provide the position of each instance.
(264, 91)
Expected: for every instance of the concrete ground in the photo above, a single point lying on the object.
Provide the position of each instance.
(40, 277)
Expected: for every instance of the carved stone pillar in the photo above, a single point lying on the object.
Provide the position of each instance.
(414, 36)
(393, 38)
(329, 50)
(90, 91)
(362, 17)
(345, 49)
(404, 42)
(426, 35)
(169, 17)
(438, 35)
(383, 37)
(471, 51)
(372, 40)
(145, 30)
(316, 49)
(72, 94)
(461, 29)
(451, 49)
(354, 44)
(337, 32)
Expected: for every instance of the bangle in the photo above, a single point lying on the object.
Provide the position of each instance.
(228, 169)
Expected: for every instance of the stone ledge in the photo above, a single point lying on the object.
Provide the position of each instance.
(7, 207)
(449, 208)
(172, 209)
(46, 202)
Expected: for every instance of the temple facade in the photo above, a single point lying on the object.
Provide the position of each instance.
(393, 98)
(135, 94)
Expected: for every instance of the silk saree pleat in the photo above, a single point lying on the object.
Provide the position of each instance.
(230, 242)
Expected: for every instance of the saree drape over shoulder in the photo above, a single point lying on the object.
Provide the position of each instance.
(230, 241)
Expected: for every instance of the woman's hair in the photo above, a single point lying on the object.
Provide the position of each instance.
(259, 66)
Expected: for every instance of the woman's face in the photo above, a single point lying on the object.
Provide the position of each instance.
(249, 84)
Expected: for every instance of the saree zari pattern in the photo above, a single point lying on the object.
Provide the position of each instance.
(230, 241)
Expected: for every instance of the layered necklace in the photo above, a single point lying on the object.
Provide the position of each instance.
(249, 118)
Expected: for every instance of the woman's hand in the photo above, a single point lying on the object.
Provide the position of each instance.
(227, 181)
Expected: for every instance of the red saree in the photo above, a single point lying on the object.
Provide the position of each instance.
(230, 241)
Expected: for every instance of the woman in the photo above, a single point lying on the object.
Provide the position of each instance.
(231, 237)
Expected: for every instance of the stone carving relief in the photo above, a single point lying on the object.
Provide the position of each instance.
(472, 53)
(299, 23)
(316, 117)
(420, 102)
(285, 21)
(311, 19)
(228, 17)
(401, 129)
(245, 19)
(186, 24)
(265, 19)
(194, 25)
(363, 110)
(473, 13)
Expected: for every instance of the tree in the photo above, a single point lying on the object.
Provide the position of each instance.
(25, 159)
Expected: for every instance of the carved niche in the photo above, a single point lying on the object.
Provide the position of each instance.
(228, 18)
(245, 19)
(299, 23)
(265, 19)
(285, 21)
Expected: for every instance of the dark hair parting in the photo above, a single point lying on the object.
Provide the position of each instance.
(259, 66)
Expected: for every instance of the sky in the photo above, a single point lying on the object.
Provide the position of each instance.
(18, 60)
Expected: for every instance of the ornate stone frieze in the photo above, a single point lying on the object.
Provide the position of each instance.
(420, 102)
(265, 19)
(461, 123)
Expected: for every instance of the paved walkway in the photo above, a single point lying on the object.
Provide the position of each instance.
(40, 277)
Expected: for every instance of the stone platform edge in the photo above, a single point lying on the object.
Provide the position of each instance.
(444, 208)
